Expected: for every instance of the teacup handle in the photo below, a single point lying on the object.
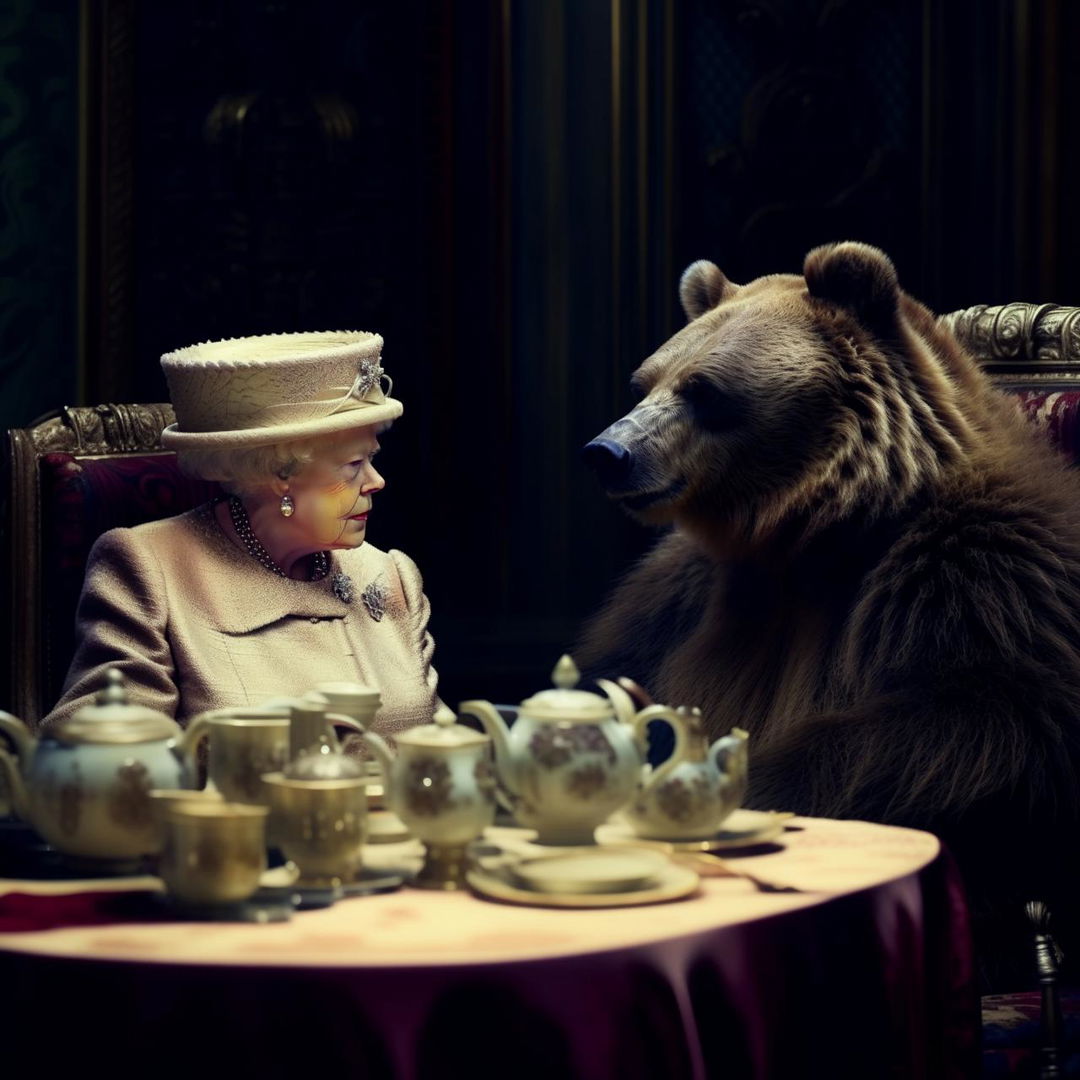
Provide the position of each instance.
(186, 747)
(338, 720)
(678, 726)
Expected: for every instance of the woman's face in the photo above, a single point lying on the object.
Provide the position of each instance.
(332, 494)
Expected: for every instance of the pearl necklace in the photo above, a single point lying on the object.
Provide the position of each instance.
(320, 568)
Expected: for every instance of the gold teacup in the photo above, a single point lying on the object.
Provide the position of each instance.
(214, 852)
(244, 744)
(161, 799)
(320, 825)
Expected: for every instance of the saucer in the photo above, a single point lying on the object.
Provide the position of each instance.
(313, 897)
(590, 870)
(386, 828)
(255, 909)
(741, 828)
(370, 880)
(373, 879)
(672, 883)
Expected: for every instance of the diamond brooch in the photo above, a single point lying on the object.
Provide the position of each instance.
(341, 586)
(367, 375)
(374, 599)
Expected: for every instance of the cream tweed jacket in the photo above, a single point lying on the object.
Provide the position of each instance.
(194, 624)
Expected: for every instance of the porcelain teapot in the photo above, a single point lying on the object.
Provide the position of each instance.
(572, 757)
(688, 796)
(442, 786)
(85, 786)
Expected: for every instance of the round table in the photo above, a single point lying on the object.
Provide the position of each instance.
(865, 973)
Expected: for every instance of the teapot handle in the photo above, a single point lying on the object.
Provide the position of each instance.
(678, 726)
(22, 738)
(185, 748)
(729, 755)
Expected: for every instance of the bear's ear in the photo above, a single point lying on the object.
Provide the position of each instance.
(855, 276)
(702, 287)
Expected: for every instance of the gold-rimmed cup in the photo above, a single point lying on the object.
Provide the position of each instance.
(320, 825)
(163, 798)
(244, 744)
(214, 851)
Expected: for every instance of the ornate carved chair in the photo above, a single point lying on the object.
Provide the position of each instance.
(1033, 351)
(69, 477)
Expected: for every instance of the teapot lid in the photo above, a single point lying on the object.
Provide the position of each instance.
(444, 731)
(564, 702)
(113, 719)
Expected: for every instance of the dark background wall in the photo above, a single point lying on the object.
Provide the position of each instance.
(507, 190)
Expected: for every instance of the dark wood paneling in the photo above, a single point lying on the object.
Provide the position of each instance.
(508, 191)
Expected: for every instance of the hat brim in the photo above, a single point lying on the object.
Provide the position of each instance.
(174, 439)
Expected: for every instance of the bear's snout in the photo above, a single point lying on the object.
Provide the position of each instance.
(610, 460)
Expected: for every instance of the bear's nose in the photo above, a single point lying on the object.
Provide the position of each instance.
(611, 461)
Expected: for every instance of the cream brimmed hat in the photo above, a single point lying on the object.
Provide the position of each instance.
(254, 391)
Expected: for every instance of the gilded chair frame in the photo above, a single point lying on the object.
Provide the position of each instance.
(84, 432)
(1022, 346)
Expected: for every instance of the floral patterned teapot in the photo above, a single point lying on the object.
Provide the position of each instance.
(687, 796)
(442, 786)
(85, 786)
(572, 757)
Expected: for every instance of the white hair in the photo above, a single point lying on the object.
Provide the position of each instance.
(241, 470)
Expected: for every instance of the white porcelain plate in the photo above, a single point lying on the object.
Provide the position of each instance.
(741, 828)
(593, 870)
(673, 883)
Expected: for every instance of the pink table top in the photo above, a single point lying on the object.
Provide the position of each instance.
(413, 927)
(865, 973)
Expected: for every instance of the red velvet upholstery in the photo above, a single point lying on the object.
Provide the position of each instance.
(68, 478)
(81, 498)
(1057, 412)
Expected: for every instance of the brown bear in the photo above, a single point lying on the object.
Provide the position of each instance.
(873, 565)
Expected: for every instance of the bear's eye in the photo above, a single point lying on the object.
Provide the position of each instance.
(637, 391)
(713, 408)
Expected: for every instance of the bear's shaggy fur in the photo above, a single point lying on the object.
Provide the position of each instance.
(874, 565)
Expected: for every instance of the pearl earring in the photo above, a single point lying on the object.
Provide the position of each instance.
(287, 506)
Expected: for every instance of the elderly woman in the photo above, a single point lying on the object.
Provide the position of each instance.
(272, 588)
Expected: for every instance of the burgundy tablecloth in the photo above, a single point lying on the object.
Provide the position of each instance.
(869, 979)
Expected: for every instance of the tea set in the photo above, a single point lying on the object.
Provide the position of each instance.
(114, 785)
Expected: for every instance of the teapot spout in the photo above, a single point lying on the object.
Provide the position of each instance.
(496, 727)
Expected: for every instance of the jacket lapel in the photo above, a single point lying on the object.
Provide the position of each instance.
(237, 595)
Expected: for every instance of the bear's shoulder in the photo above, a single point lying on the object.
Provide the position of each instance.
(984, 573)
